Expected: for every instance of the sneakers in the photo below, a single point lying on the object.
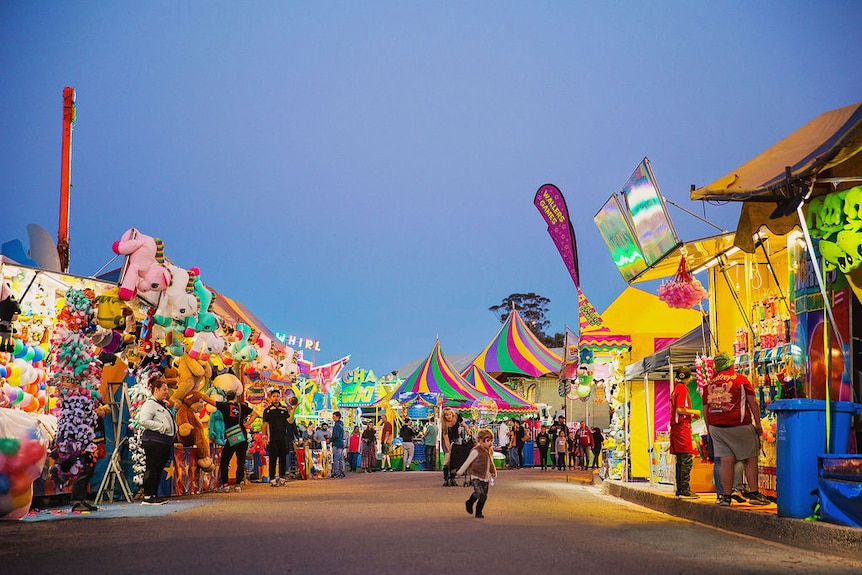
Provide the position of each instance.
(281, 481)
(83, 506)
(274, 483)
(688, 495)
(153, 500)
(724, 500)
(737, 496)
(756, 498)
(237, 488)
(223, 489)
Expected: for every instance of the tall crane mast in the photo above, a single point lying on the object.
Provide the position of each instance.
(65, 176)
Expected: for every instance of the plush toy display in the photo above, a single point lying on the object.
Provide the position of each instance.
(191, 375)
(206, 319)
(215, 427)
(190, 430)
(9, 310)
(178, 302)
(836, 220)
(77, 375)
(264, 362)
(205, 344)
(241, 350)
(287, 368)
(228, 382)
(111, 311)
(144, 271)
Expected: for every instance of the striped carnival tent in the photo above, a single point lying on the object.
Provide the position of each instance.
(508, 402)
(516, 350)
(435, 382)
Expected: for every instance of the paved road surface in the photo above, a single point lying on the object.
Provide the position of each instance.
(401, 523)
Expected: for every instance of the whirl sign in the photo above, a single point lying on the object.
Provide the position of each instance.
(298, 342)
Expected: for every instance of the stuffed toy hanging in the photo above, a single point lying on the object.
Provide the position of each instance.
(683, 291)
(9, 310)
(144, 271)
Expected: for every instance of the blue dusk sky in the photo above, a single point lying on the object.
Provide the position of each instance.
(363, 173)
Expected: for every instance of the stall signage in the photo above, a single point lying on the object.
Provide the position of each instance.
(359, 375)
(358, 393)
(298, 342)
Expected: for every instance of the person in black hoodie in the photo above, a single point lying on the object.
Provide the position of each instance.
(543, 442)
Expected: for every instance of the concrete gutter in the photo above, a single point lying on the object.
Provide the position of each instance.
(835, 540)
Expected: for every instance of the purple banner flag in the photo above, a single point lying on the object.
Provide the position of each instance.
(551, 204)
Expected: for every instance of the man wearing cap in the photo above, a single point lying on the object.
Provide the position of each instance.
(681, 446)
(732, 416)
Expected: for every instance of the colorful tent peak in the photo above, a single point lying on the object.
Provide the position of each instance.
(505, 398)
(515, 349)
(435, 375)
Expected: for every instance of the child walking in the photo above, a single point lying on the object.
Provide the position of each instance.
(480, 466)
(561, 449)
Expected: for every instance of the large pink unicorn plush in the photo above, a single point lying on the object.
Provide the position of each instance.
(144, 271)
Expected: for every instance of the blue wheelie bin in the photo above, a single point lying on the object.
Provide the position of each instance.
(800, 439)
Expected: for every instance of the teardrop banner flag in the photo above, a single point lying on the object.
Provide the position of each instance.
(551, 204)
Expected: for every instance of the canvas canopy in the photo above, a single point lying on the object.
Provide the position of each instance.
(820, 157)
(683, 351)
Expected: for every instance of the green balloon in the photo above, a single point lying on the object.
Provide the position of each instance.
(9, 445)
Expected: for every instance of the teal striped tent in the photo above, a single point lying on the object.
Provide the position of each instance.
(508, 402)
(435, 382)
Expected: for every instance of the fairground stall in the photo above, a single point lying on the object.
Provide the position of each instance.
(794, 326)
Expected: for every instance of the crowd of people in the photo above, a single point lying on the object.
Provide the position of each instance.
(357, 449)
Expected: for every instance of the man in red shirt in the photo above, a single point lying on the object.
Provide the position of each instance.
(732, 416)
(681, 446)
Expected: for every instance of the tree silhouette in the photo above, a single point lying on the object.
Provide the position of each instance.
(533, 309)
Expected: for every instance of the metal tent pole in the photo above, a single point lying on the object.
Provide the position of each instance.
(827, 306)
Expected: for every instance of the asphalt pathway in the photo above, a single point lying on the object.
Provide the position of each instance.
(535, 522)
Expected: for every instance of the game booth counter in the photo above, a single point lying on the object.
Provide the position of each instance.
(782, 297)
(313, 391)
(49, 322)
(795, 335)
(75, 353)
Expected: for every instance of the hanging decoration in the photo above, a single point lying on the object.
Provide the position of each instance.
(683, 291)
(836, 220)
(704, 370)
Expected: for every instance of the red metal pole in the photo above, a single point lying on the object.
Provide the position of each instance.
(65, 176)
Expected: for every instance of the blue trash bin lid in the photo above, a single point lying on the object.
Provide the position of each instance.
(813, 405)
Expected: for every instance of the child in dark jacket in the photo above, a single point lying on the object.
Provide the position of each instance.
(480, 466)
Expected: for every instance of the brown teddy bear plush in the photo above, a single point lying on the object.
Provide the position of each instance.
(190, 430)
(171, 377)
(186, 398)
(190, 377)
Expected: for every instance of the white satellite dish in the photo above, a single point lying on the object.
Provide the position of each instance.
(43, 250)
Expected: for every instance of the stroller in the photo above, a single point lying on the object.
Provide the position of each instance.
(460, 452)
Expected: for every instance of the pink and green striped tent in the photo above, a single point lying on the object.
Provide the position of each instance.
(435, 382)
(515, 350)
(508, 402)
